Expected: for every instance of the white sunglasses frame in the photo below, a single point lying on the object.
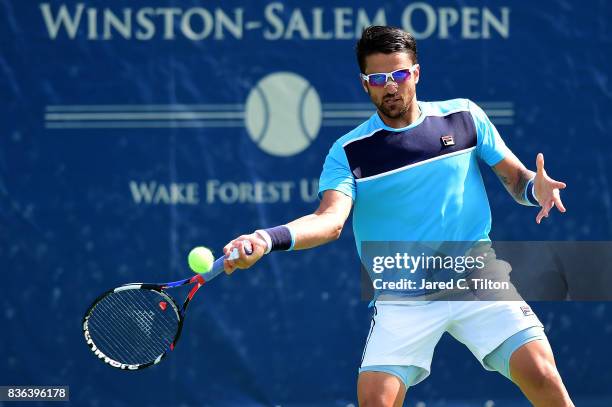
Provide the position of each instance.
(389, 75)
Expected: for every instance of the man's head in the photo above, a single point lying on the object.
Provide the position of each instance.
(383, 50)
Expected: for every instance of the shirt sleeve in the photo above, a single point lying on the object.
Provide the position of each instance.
(336, 173)
(490, 146)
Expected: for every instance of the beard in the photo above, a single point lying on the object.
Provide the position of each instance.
(392, 110)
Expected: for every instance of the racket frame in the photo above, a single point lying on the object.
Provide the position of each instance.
(160, 289)
(198, 280)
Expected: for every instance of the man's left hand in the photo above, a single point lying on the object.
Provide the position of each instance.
(546, 190)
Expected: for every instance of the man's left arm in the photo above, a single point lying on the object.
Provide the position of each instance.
(528, 187)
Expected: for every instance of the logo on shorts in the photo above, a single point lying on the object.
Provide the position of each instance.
(447, 140)
(526, 310)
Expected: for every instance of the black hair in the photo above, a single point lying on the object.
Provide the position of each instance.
(386, 40)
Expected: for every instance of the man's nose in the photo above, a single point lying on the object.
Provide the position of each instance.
(391, 87)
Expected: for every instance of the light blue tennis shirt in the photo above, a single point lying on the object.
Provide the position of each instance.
(421, 182)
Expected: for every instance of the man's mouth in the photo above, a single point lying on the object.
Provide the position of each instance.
(392, 100)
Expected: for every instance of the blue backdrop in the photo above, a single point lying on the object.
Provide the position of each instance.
(133, 131)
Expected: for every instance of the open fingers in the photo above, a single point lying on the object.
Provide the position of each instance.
(548, 205)
(540, 216)
(558, 184)
(544, 211)
(540, 162)
(558, 203)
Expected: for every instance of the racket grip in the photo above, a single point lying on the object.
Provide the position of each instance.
(217, 267)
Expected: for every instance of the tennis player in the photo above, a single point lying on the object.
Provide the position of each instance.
(410, 173)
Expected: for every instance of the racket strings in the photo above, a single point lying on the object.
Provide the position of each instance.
(118, 329)
(118, 339)
(144, 317)
(130, 326)
(129, 336)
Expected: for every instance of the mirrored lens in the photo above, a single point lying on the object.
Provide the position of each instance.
(401, 76)
(377, 79)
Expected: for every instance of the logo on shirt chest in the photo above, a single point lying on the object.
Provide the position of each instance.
(447, 140)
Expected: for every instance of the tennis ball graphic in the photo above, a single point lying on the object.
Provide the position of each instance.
(283, 114)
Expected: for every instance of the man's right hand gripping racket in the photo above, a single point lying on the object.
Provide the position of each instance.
(135, 325)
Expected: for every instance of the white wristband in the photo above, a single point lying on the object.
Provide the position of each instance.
(266, 237)
(529, 193)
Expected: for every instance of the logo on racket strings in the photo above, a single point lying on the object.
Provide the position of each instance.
(100, 354)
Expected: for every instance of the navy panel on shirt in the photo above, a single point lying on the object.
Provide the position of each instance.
(386, 150)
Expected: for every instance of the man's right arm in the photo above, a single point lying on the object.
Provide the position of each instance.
(322, 226)
(325, 224)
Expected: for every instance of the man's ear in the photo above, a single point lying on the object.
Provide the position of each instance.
(417, 74)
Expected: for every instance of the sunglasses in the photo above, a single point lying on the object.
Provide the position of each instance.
(381, 78)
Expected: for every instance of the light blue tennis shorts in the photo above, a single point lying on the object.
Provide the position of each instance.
(403, 334)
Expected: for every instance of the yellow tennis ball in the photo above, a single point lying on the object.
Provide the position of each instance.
(200, 260)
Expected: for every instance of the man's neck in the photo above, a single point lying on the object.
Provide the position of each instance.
(412, 115)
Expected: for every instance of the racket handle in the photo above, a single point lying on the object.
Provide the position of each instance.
(217, 267)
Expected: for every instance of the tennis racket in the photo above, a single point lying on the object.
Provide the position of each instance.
(135, 325)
